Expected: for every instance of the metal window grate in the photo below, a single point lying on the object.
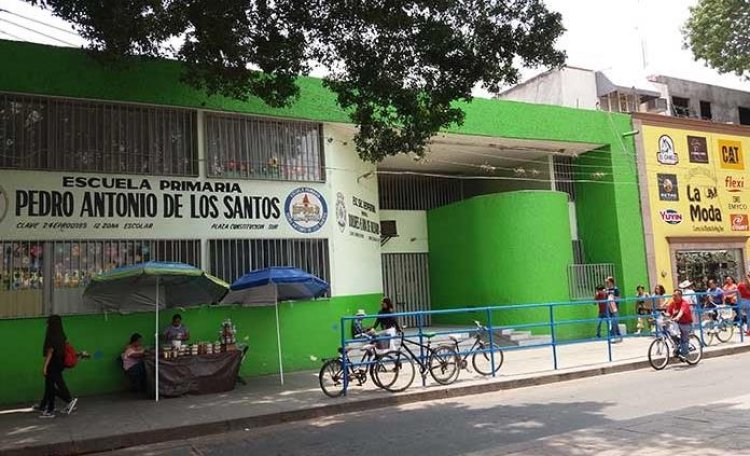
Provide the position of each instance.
(60, 270)
(584, 278)
(231, 258)
(56, 134)
(408, 192)
(253, 148)
(406, 280)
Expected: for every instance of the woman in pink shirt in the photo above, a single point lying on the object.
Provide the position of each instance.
(132, 363)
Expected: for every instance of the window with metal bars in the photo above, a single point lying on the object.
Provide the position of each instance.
(231, 258)
(61, 269)
(255, 148)
(417, 193)
(43, 133)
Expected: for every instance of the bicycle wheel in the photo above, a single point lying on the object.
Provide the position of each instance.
(399, 365)
(658, 354)
(725, 331)
(482, 361)
(331, 378)
(443, 364)
(710, 331)
(695, 350)
(380, 373)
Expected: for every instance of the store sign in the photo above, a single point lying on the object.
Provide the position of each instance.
(698, 149)
(61, 205)
(700, 211)
(668, 187)
(734, 184)
(671, 216)
(666, 155)
(740, 222)
(730, 154)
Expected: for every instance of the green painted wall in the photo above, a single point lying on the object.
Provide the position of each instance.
(500, 249)
(610, 224)
(39, 69)
(309, 331)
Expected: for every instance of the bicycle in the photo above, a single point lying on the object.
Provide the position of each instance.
(719, 324)
(666, 346)
(331, 375)
(441, 362)
(481, 358)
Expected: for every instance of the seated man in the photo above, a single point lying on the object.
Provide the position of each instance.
(132, 363)
(358, 330)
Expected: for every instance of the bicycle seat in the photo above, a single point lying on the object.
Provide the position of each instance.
(429, 335)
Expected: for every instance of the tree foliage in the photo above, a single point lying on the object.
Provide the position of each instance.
(397, 66)
(718, 31)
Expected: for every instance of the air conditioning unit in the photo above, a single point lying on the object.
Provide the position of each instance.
(657, 105)
(388, 228)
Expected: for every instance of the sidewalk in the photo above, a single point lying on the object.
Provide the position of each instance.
(115, 421)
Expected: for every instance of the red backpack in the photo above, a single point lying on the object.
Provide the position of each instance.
(70, 357)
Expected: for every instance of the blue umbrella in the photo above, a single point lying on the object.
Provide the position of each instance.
(264, 287)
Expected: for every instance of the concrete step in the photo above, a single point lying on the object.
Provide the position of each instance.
(520, 335)
(535, 340)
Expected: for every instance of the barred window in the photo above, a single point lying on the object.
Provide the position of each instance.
(232, 258)
(89, 136)
(417, 193)
(63, 269)
(254, 148)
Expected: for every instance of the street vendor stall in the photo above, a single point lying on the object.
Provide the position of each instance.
(160, 285)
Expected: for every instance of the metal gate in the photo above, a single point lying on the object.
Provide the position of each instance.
(406, 280)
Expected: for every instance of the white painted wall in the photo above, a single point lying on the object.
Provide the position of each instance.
(570, 87)
(412, 232)
(355, 256)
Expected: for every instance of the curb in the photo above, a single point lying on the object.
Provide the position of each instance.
(110, 443)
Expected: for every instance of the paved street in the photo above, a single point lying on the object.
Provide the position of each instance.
(700, 410)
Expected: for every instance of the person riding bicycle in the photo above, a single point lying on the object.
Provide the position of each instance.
(678, 310)
(714, 298)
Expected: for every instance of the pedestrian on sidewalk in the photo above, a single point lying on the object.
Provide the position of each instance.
(613, 294)
(643, 306)
(600, 299)
(54, 364)
(743, 289)
(730, 291)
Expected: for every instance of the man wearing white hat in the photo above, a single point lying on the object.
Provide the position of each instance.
(358, 330)
(688, 292)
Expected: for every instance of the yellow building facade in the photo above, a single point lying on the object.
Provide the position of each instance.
(694, 179)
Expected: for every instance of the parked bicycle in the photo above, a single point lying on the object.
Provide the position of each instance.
(666, 345)
(441, 362)
(481, 352)
(372, 364)
(718, 324)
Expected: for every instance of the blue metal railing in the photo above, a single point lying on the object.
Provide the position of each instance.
(552, 325)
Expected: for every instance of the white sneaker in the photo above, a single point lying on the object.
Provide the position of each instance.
(46, 414)
(71, 407)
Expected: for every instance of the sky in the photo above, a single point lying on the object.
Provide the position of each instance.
(612, 35)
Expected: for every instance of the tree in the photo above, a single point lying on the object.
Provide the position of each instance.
(396, 66)
(718, 31)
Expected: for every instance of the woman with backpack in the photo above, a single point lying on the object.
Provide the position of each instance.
(54, 352)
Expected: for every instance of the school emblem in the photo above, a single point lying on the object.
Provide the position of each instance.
(306, 210)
